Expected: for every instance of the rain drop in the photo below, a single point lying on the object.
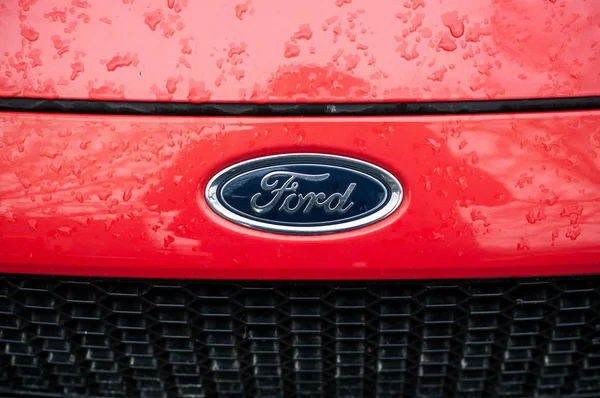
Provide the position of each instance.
(168, 240)
(456, 26)
(573, 232)
(291, 50)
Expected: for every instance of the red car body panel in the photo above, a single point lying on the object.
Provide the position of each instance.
(487, 195)
(312, 50)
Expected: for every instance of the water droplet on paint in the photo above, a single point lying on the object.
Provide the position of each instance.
(127, 193)
(456, 26)
(446, 43)
(523, 244)
(573, 232)
(240, 10)
(104, 195)
(168, 240)
(291, 50)
(535, 215)
(152, 19)
(29, 33)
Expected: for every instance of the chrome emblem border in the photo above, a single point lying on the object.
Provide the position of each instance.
(396, 192)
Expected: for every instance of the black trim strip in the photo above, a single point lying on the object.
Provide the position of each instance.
(297, 109)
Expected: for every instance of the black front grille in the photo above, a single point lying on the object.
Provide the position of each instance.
(129, 338)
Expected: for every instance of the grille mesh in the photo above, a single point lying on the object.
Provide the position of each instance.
(512, 337)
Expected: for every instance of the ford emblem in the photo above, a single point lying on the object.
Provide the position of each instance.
(304, 193)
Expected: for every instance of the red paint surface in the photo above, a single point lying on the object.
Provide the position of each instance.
(311, 50)
(495, 195)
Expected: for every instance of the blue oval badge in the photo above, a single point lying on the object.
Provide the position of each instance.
(304, 193)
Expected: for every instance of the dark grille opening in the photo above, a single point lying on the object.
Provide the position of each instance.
(133, 338)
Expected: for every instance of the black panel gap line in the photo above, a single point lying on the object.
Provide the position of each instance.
(64, 106)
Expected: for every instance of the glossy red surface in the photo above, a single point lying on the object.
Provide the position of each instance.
(310, 50)
(493, 195)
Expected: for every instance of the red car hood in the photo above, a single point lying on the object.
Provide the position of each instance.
(312, 50)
